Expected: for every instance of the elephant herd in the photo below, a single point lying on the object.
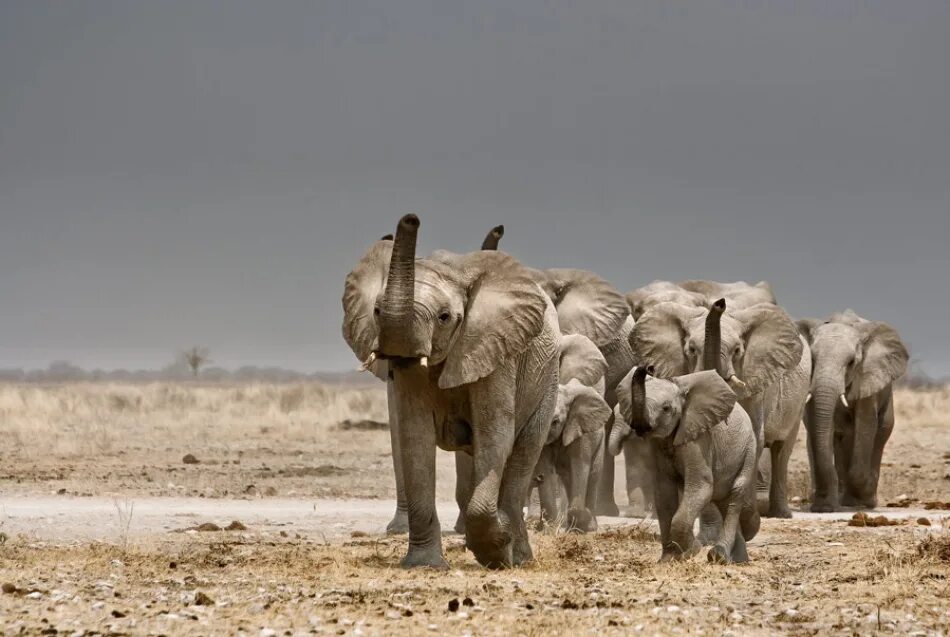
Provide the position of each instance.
(536, 379)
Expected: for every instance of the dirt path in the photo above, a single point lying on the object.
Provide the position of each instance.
(64, 518)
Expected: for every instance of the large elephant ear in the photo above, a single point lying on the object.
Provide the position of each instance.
(806, 327)
(884, 361)
(360, 290)
(504, 311)
(586, 304)
(589, 412)
(581, 360)
(707, 401)
(773, 345)
(659, 334)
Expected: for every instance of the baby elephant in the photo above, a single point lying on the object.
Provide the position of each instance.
(704, 450)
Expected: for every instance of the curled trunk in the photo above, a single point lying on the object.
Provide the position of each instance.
(712, 351)
(639, 418)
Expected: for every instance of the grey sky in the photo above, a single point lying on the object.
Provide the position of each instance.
(207, 172)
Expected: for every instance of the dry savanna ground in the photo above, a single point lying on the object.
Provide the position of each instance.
(309, 441)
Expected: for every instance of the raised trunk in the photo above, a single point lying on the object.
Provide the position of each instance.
(395, 310)
(491, 239)
(712, 350)
(618, 434)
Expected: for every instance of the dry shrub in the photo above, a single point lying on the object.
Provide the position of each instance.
(936, 546)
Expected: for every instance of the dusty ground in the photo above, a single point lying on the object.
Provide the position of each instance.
(95, 495)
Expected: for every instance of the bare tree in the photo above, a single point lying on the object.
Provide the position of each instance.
(196, 357)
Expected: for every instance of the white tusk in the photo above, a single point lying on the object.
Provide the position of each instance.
(735, 381)
(808, 398)
(424, 361)
(368, 363)
(844, 401)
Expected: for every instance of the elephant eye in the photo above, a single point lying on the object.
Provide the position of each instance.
(444, 317)
(376, 311)
(667, 407)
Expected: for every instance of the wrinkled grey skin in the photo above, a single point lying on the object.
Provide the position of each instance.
(472, 344)
(704, 451)
(574, 451)
(860, 360)
(760, 347)
(696, 293)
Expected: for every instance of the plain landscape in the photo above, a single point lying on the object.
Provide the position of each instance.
(259, 508)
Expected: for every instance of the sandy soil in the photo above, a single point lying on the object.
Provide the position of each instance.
(98, 534)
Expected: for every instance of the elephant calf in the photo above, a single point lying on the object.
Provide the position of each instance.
(704, 449)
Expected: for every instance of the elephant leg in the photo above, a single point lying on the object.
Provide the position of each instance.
(400, 522)
(722, 552)
(548, 487)
(417, 443)
(740, 553)
(593, 480)
(638, 462)
(666, 498)
(464, 467)
(883, 434)
(781, 451)
(579, 455)
(682, 541)
(710, 524)
(517, 477)
(606, 501)
(763, 482)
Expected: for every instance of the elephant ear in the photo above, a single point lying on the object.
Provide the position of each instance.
(504, 311)
(658, 337)
(589, 412)
(884, 361)
(806, 327)
(707, 401)
(581, 359)
(586, 304)
(773, 345)
(360, 290)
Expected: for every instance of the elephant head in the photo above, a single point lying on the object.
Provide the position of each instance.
(580, 359)
(739, 293)
(465, 313)
(758, 345)
(492, 238)
(642, 299)
(580, 410)
(679, 410)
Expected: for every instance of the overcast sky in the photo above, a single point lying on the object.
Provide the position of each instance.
(196, 172)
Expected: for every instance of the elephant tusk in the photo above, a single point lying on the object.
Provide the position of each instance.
(735, 382)
(844, 401)
(424, 361)
(368, 363)
(808, 398)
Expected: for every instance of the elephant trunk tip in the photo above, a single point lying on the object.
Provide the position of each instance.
(409, 221)
(492, 238)
(386, 237)
(719, 306)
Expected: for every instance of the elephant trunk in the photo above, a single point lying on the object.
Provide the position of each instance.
(822, 409)
(712, 351)
(396, 308)
(639, 418)
(618, 434)
(491, 239)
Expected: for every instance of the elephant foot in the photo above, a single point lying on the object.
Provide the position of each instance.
(851, 500)
(823, 507)
(719, 555)
(399, 524)
(580, 521)
(521, 552)
(425, 557)
(460, 523)
(779, 512)
(609, 509)
(489, 538)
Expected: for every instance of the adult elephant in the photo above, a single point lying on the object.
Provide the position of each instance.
(851, 413)
(761, 355)
(472, 346)
(589, 306)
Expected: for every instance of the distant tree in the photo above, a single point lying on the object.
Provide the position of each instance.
(195, 358)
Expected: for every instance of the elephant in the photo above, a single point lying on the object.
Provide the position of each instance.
(704, 451)
(765, 360)
(851, 413)
(588, 305)
(574, 451)
(472, 346)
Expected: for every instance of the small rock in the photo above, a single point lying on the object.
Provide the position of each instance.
(34, 595)
(9, 588)
(453, 605)
(923, 521)
(201, 599)
(118, 614)
(468, 602)
(268, 632)
(61, 491)
(271, 491)
(207, 527)
(235, 525)
(190, 459)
